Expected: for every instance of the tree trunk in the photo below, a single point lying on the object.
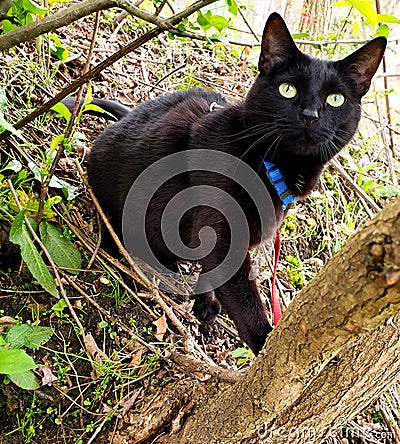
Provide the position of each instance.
(316, 17)
(328, 357)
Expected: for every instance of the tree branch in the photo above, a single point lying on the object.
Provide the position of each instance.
(54, 21)
(69, 15)
(331, 320)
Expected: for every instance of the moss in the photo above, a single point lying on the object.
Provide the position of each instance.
(295, 277)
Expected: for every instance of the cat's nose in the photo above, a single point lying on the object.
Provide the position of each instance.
(309, 116)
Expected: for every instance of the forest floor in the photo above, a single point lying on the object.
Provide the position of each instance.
(91, 390)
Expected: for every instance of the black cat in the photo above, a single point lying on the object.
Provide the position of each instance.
(298, 114)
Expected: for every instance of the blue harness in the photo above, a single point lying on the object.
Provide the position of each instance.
(275, 177)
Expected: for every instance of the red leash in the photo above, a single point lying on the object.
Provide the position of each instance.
(276, 306)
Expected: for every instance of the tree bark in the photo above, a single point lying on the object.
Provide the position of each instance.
(327, 358)
(316, 18)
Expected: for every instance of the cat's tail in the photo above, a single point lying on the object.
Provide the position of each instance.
(112, 110)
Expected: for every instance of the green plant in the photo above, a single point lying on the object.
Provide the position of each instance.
(293, 270)
(22, 12)
(242, 354)
(31, 420)
(62, 251)
(4, 125)
(377, 22)
(15, 362)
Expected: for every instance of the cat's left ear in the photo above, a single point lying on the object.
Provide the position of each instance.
(363, 63)
(277, 44)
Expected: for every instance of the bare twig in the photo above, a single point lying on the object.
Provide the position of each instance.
(185, 362)
(248, 24)
(390, 421)
(385, 85)
(97, 248)
(387, 143)
(359, 191)
(106, 314)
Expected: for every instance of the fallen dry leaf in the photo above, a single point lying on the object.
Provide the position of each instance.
(137, 356)
(161, 325)
(48, 377)
(91, 347)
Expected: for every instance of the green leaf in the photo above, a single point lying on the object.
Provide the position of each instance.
(57, 48)
(15, 361)
(61, 109)
(218, 22)
(59, 307)
(387, 18)
(302, 35)
(25, 335)
(20, 235)
(8, 26)
(386, 191)
(203, 20)
(365, 8)
(62, 250)
(5, 126)
(240, 352)
(70, 191)
(13, 165)
(54, 143)
(92, 107)
(34, 8)
(219, 38)
(26, 380)
(382, 31)
(232, 6)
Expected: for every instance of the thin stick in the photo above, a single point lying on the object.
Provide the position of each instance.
(360, 192)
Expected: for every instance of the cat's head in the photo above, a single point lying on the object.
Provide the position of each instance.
(303, 105)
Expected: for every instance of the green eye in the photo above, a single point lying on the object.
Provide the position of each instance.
(335, 100)
(287, 90)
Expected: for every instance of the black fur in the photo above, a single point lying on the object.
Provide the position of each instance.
(298, 134)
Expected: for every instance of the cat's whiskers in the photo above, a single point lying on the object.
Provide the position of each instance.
(262, 113)
(259, 140)
(332, 149)
(300, 183)
(276, 143)
(249, 132)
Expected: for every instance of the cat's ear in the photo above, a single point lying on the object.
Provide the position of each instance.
(363, 63)
(277, 44)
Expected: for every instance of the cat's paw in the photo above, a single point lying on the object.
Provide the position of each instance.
(255, 335)
(206, 307)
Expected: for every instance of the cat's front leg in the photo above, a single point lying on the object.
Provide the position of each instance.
(206, 306)
(240, 297)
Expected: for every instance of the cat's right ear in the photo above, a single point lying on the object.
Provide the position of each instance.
(277, 44)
